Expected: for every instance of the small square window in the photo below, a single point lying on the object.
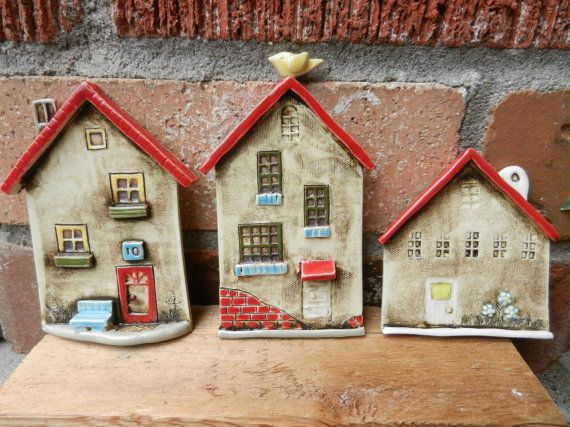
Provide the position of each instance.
(96, 139)
(127, 188)
(72, 238)
(44, 110)
(416, 243)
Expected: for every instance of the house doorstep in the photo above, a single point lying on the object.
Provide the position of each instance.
(467, 332)
(122, 336)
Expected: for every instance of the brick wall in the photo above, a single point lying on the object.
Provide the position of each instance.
(501, 24)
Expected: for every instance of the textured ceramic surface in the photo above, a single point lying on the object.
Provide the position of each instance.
(469, 257)
(269, 296)
(95, 277)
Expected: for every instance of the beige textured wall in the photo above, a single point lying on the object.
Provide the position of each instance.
(480, 279)
(316, 159)
(71, 186)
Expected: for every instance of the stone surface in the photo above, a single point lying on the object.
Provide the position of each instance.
(37, 20)
(500, 24)
(540, 354)
(532, 130)
(19, 306)
(409, 130)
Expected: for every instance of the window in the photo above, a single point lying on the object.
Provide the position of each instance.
(317, 208)
(440, 291)
(72, 238)
(499, 245)
(127, 188)
(72, 246)
(44, 110)
(529, 247)
(469, 193)
(415, 245)
(442, 246)
(260, 243)
(269, 172)
(472, 244)
(289, 124)
(96, 139)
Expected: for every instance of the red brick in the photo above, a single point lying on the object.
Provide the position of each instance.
(243, 317)
(253, 301)
(272, 316)
(248, 309)
(263, 309)
(223, 310)
(253, 325)
(225, 302)
(19, 308)
(285, 325)
(509, 23)
(228, 317)
(258, 317)
(393, 112)
(233, 293)
(239, 324)
(540, 354)
(226, 325)
(234, 310)
(268, 325)
(274, 310)
(223, 292)
(542, 121)
(285, 316)
(238, 301)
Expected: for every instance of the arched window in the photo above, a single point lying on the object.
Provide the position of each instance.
(289, 124)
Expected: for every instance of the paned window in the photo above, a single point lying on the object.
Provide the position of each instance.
(499, 245)
(290, 124)
(317, 205)
(415, 245)
(529, 247)
(72, 238)
(472, 244)
(469, 193)
(96, 139)
(269, 172)
(260, 242)
(442, 246)
(44, 110)
(127, 188)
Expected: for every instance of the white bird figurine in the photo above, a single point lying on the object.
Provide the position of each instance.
(293, 64)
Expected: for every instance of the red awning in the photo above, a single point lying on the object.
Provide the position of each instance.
(317, 270)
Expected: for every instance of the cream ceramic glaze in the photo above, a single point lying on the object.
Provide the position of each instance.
(317, 158)
(71, 185)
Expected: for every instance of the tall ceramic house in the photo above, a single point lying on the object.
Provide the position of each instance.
(289, 206)
(102, 198)
(470, 256)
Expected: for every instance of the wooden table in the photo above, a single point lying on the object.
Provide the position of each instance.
(200, 378)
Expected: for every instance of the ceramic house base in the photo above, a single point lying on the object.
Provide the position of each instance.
(289, 203)
(469, 257)
(102, 199)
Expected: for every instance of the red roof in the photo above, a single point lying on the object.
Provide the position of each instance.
(317, 270)
(90, 92)
(290, 83)
(487, 170)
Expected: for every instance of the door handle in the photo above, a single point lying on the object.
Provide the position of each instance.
(132, 297)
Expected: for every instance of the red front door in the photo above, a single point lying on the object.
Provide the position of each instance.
(136, 293)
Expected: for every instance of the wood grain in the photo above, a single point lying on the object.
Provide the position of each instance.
(202, 379)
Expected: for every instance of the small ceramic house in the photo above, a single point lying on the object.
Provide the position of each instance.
(470, 256)
(289, 200)
(102, 199)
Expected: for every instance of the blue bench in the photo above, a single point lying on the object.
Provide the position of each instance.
(93, 315)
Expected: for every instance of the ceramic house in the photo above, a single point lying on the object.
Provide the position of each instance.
(470, 256)
(102, 198)
(289, 206)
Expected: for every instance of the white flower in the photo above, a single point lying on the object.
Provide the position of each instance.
(511, 312)
(505, 298)
(488, 310)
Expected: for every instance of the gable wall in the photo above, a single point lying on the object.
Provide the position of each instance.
(71, 185)
(318, 158)
(479, 279)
